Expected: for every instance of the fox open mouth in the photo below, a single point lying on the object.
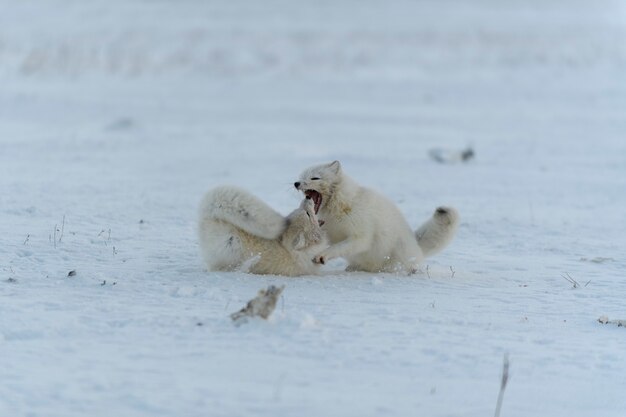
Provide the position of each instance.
(317, 198)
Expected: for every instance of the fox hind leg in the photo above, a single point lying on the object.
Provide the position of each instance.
(221, 246)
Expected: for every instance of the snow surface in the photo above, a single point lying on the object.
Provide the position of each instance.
(116, 116)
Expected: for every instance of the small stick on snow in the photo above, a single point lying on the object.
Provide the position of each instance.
(453, 272)
(505, 379)
(27, 238)
(62, 229)
(428, 270)
(571, 280)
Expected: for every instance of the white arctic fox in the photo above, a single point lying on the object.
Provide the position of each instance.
(238, 231)
(367, 229)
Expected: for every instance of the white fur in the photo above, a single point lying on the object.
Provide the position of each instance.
(367, 229)
(238, 231)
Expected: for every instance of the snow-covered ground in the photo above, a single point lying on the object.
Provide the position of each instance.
(116, 116)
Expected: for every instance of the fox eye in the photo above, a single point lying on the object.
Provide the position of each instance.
(315, 178)
(308, 215)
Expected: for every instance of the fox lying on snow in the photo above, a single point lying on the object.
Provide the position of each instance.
(238, 231)
(367, 229)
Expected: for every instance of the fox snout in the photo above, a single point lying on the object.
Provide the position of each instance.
(297, 185)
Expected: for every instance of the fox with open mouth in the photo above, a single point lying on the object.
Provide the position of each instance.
(366, 228)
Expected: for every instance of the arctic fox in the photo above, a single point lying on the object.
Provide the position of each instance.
(238, 231)
(367, 229)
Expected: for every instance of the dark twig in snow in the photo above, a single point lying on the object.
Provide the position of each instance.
(571, 280)
(62, 229)
(453, 272)
(505, 379)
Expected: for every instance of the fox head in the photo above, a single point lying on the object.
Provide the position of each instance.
(318, 182)
(303, 227)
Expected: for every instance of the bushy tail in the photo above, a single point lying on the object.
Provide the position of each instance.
(243, 210)
(438, 231)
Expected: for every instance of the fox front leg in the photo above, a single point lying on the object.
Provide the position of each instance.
(344, 249)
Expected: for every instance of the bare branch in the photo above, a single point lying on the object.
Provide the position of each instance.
(62, 229)
(503, 382)
(571, 280)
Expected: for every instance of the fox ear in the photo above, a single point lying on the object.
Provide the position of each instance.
(299, 242)
(335, 166)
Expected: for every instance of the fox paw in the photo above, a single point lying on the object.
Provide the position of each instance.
(319, 259)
